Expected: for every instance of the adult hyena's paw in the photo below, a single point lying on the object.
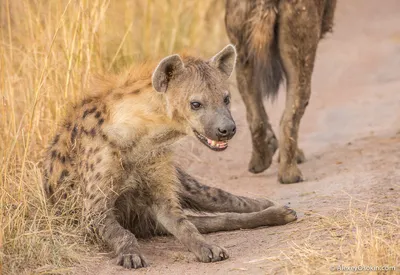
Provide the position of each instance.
(261, 157)
(131, 259)
(279, 215)
(290, 174)
(259, 163)
(211, 253)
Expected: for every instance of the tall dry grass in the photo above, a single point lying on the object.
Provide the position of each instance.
(47, 51)
(358, 238)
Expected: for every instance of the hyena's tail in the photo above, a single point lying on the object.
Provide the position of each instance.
(261, 46)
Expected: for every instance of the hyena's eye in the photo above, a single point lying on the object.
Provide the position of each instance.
(195, 105)
(227, 100)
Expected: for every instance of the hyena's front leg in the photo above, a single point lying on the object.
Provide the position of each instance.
(101, 215)
(205, 198)
(170, 215)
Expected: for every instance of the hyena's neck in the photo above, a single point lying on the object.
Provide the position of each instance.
(142, 120)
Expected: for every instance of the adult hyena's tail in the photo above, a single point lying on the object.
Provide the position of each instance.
(260, 42)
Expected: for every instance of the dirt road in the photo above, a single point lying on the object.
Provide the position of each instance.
(351, 140)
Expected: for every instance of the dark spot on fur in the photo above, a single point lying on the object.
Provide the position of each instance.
(51, 190)
(93, 132)
(51, 168)
(67, 125)
(222, 194)
(96, 150)
(86, 101)
(187, 187)
(101, 121)
(205, 187)
(98, 114)
(53, 154)
(98, 160)
(117, 96)
(135, 91)
(64, 174)
(63, 159)
(180, 220)
(214, 198)
(112, 144)
(88, 112)
(85, 114)
(56, 139)
(92, 167)
(74, 133)
(105, 138)
(98, 176)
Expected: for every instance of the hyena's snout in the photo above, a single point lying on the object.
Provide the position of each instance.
(217, 132)
(226, 129)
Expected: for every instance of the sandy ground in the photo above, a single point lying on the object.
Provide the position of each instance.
(349, 134)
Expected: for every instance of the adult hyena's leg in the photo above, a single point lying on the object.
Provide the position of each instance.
(204, 198)
(170, 216)
(263, 137)
(299, 32)
(275, 215)
(101, 214)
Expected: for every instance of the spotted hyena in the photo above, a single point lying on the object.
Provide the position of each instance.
(115, 146)
(276, 39)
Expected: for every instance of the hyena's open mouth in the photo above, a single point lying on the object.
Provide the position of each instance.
(212, 144)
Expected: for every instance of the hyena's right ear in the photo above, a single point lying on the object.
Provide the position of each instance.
(166, 70)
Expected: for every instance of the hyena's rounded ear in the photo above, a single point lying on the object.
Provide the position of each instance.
(165, 71)
(225, 60)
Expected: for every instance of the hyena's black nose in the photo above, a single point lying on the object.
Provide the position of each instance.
(228, 131)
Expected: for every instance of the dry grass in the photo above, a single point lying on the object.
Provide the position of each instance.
(47, 51)
(350, 238)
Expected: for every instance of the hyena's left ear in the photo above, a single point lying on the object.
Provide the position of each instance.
(166, 71)
(225, 60)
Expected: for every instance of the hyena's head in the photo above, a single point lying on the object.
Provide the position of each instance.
(197, 94)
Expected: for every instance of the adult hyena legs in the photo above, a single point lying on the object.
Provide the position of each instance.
(243, 212)
(299, 34)
(103, 218)
(195, 195)
(263, 138)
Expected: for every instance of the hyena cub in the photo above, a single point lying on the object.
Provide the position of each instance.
(277, 39)
(115, 147)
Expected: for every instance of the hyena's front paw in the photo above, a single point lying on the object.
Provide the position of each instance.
(210, 253)
(131, 258)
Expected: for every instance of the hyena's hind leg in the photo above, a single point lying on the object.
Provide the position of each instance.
(274, 215)
(201, 197)
(244, 213)
(299, 32)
